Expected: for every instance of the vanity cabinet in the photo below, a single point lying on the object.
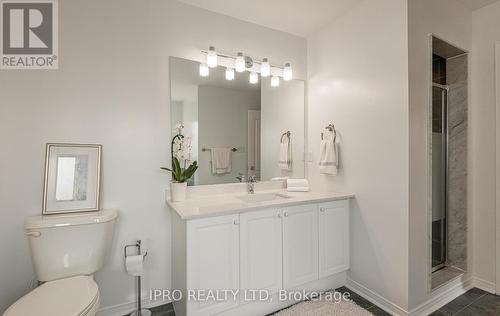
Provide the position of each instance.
(291, 248)
(213, 260)
(261, 250)
(300, 245)
(333, 237)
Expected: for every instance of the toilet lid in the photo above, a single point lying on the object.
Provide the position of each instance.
(73, 296)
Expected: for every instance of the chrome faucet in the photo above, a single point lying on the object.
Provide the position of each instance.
(250, 184)
(241, 177)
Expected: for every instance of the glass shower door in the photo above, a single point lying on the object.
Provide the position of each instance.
(439, 174)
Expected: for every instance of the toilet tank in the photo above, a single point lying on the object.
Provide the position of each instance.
(67, 245)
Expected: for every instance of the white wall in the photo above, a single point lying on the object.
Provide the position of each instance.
(485, 26)
(450, 21)
(112, 88)
(223, 120)
(358, 80)
(283, 110)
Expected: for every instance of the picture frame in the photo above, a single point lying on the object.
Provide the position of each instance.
(72, 178)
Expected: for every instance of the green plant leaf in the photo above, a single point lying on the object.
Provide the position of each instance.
(190, 170)
(178, 173)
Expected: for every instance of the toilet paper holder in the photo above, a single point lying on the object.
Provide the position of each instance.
(140, 311)
(136, 245)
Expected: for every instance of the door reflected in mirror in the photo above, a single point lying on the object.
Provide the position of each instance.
(237, 126)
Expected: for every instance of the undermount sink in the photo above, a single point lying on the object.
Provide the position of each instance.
(262, 197)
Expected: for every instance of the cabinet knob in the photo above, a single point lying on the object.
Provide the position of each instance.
(321, 209)
(279, 215)
(285, 214)
(236, 222)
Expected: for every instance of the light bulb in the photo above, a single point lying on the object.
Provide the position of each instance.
(287, 72)
(254, 78)
(275, 81)
(212, 57)
(204, 70)
(265, 68)
(239, 64)
(229, 74)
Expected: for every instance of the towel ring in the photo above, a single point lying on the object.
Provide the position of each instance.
(331, 128)
(287, 134)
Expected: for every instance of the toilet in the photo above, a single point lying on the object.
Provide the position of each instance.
(66, 251)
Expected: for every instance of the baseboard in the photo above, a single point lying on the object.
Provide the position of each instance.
(484, 285)
(446, 294)
(375, 298)
(129, 307)
(443, 296)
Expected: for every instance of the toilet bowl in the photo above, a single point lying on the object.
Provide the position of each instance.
(75, 296)
(66, 250)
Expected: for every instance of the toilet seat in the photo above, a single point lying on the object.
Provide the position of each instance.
(75, 296)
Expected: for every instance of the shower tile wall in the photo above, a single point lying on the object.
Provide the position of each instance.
(456, 78)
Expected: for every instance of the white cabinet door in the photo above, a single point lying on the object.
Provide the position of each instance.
(212, 261)
(261, 250)
(300, 245)
(333, 237)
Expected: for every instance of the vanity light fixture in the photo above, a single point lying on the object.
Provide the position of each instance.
(244, 63)
(287, 72)
(239, 63)
(254, 78)
(204, 70)
(275, 81)
(229, 74)
(211, 57)
(265, 68)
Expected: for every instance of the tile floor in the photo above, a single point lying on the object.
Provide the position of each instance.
(444, 275)
(475, 302)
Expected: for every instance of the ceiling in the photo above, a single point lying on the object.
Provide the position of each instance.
(477, 4)
(298, 17)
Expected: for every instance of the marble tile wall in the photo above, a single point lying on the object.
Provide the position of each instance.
(457, 161)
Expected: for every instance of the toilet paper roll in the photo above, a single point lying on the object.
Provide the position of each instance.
(135, 265)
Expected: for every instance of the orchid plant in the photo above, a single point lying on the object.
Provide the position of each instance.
(182, 167)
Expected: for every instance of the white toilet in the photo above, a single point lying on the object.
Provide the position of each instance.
(66, 251)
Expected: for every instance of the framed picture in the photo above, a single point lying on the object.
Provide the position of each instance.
(72, 178)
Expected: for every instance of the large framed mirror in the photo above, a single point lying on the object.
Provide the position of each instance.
(237, 128)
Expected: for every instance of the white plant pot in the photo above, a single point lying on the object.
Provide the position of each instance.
(178, 191)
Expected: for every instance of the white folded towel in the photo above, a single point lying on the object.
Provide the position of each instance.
(328, 156)
(285, 162)
(297, 189)
(297, 183)
(221, 160)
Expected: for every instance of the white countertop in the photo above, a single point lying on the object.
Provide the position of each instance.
(225, 204)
